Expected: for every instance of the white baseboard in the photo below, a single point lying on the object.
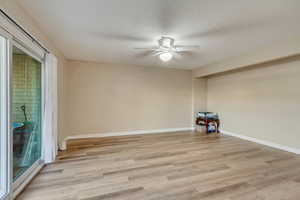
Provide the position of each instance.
(63, 146)
(263, 142)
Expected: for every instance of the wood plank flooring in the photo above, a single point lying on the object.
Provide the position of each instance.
(170, 166)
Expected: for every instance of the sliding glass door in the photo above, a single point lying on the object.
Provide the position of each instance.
(21, 111)
(26, 110)
(22, 62)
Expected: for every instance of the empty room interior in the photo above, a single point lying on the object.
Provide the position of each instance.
(150, 100)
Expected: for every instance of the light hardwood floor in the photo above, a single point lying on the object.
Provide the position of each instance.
(170, 166)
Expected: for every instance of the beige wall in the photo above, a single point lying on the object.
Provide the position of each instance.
(106, 98)
(12, 8)
(199, 96)
(261, 102)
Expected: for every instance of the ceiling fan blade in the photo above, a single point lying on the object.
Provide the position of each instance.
(148, 52)
(187, 46)
(145, 48)
(183, 53)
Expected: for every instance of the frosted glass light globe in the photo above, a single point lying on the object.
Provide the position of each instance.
(165, 57)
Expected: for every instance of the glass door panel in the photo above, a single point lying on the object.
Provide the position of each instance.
(26, 93)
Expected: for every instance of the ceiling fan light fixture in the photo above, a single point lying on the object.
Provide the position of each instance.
(166, 56)
(166, 48)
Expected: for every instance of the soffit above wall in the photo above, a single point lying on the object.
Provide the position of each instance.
(280, 50)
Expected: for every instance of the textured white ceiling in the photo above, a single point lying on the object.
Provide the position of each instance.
(108, 31)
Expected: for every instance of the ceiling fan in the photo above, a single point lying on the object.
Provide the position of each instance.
(166, 48)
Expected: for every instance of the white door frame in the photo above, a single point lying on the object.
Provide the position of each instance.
(5, 151)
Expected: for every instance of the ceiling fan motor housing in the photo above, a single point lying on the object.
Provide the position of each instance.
(166, 42)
